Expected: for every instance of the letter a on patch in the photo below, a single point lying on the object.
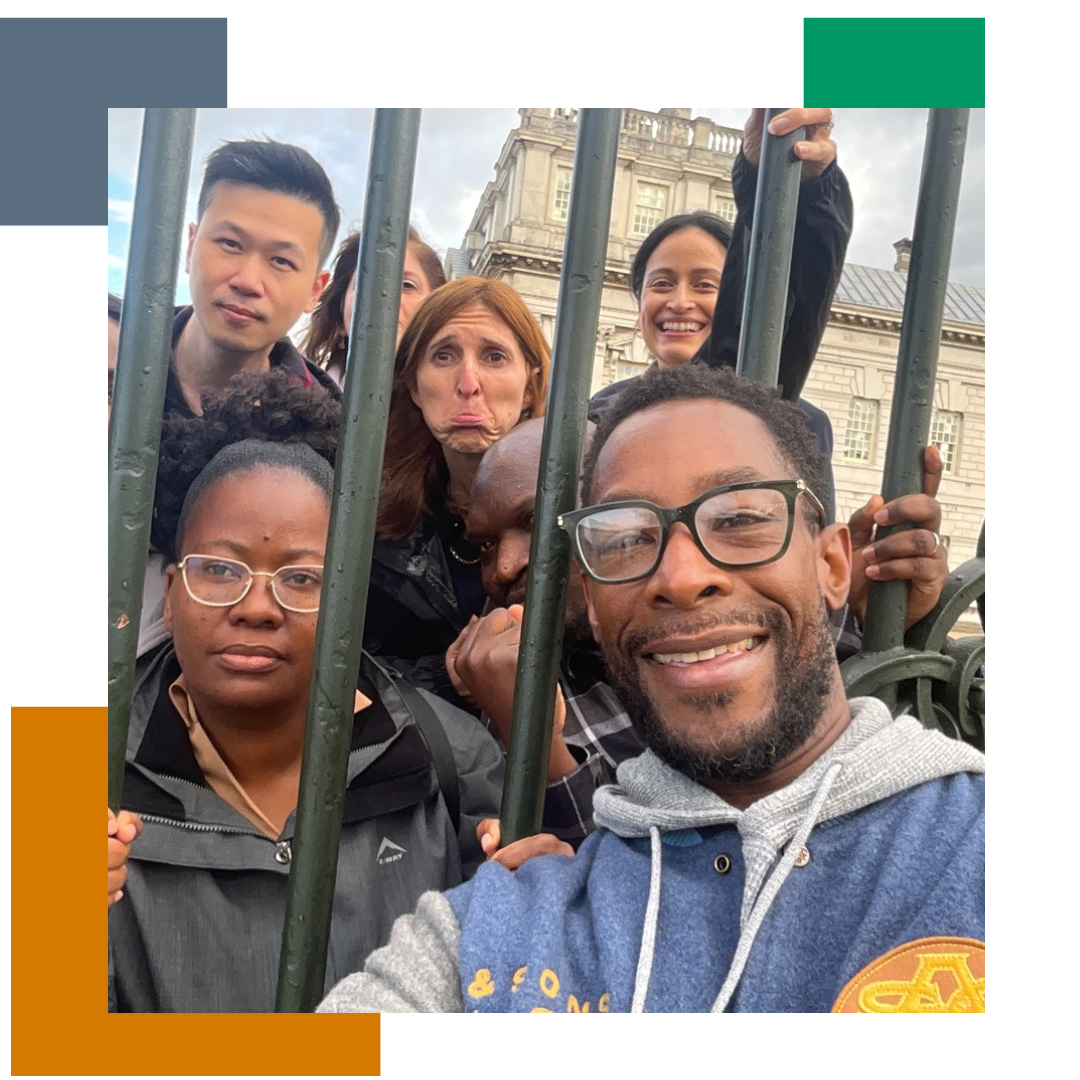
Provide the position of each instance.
(931, 975)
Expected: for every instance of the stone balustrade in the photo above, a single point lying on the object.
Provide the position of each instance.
(659, 129)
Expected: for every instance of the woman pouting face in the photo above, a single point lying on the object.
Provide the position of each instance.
(678, 295)
(472, 381)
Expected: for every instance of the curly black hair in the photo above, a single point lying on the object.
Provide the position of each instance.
(270, 407)
(783, 420)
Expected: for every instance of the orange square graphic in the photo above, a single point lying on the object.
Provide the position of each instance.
(59, 1019)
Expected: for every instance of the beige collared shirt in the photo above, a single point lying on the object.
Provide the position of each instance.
(218, 774)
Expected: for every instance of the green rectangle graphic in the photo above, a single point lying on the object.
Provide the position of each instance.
(895, 63)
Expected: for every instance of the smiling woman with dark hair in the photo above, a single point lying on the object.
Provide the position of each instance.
(688, 277)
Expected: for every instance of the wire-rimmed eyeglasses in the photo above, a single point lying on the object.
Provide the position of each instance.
(735, 527)
(219, 582)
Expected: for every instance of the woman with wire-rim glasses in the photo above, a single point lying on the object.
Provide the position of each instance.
(217, 731)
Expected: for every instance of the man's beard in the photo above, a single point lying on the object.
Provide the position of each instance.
(803, 678)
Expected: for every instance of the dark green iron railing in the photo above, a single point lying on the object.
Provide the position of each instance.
(580, 286)
(366, 405)
(940, 679)
(142, 368)
(934, 677)
(769, 265)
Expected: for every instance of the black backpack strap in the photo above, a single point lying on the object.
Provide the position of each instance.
(442, 755)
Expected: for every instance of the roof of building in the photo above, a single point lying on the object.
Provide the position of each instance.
(870, 287)
(863, 286)
(458, 258)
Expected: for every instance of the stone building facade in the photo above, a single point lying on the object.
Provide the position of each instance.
(670, 163)
(853, 377)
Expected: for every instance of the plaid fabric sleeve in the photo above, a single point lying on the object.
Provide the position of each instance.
(568, 802)
(847, 633)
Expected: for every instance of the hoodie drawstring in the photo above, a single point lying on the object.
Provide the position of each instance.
(772, 887)
(648, 933)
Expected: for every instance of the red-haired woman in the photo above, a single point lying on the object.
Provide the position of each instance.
(470, 366)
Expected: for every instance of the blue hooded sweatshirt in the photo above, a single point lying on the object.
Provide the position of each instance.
(859, 885)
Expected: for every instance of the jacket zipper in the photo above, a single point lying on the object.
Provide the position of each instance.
(282, 848)
(196, 827)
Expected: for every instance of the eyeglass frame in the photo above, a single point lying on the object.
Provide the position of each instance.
(252, 575)
(687, 514)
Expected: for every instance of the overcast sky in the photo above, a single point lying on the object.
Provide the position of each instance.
(879, 149)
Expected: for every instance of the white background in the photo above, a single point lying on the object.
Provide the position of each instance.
(291, 55)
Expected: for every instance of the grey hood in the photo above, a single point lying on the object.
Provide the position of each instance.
(881, 757)
(874, 758)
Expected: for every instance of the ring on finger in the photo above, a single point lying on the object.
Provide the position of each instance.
(937, 542)
(827, 126)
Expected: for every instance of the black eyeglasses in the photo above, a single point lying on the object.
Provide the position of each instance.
(735, 527)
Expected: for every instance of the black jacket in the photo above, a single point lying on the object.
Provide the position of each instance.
(822, 231)
(284, 354)
(413, 614)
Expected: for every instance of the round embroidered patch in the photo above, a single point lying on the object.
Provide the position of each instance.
(931, 975)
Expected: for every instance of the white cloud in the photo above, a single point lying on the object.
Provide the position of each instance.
(880, 150)
(120, 210)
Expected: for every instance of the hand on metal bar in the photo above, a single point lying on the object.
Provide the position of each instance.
(915, 555)
(817, 150)
(482, 664)
(513, 855)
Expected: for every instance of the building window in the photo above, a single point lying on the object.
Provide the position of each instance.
(861, 428)
(561, 206)
(649, 208)
(725, 208)
(945, 435)
(629, 369)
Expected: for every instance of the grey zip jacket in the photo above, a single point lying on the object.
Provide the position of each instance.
(199, 926)
(682, 903)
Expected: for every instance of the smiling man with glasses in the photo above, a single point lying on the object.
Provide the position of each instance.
(713, 615)
(777, 848)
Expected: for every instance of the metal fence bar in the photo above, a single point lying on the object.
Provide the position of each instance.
(365, 407)
(580, 285)
(142, 369)
(769, 264)
(920, 340)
